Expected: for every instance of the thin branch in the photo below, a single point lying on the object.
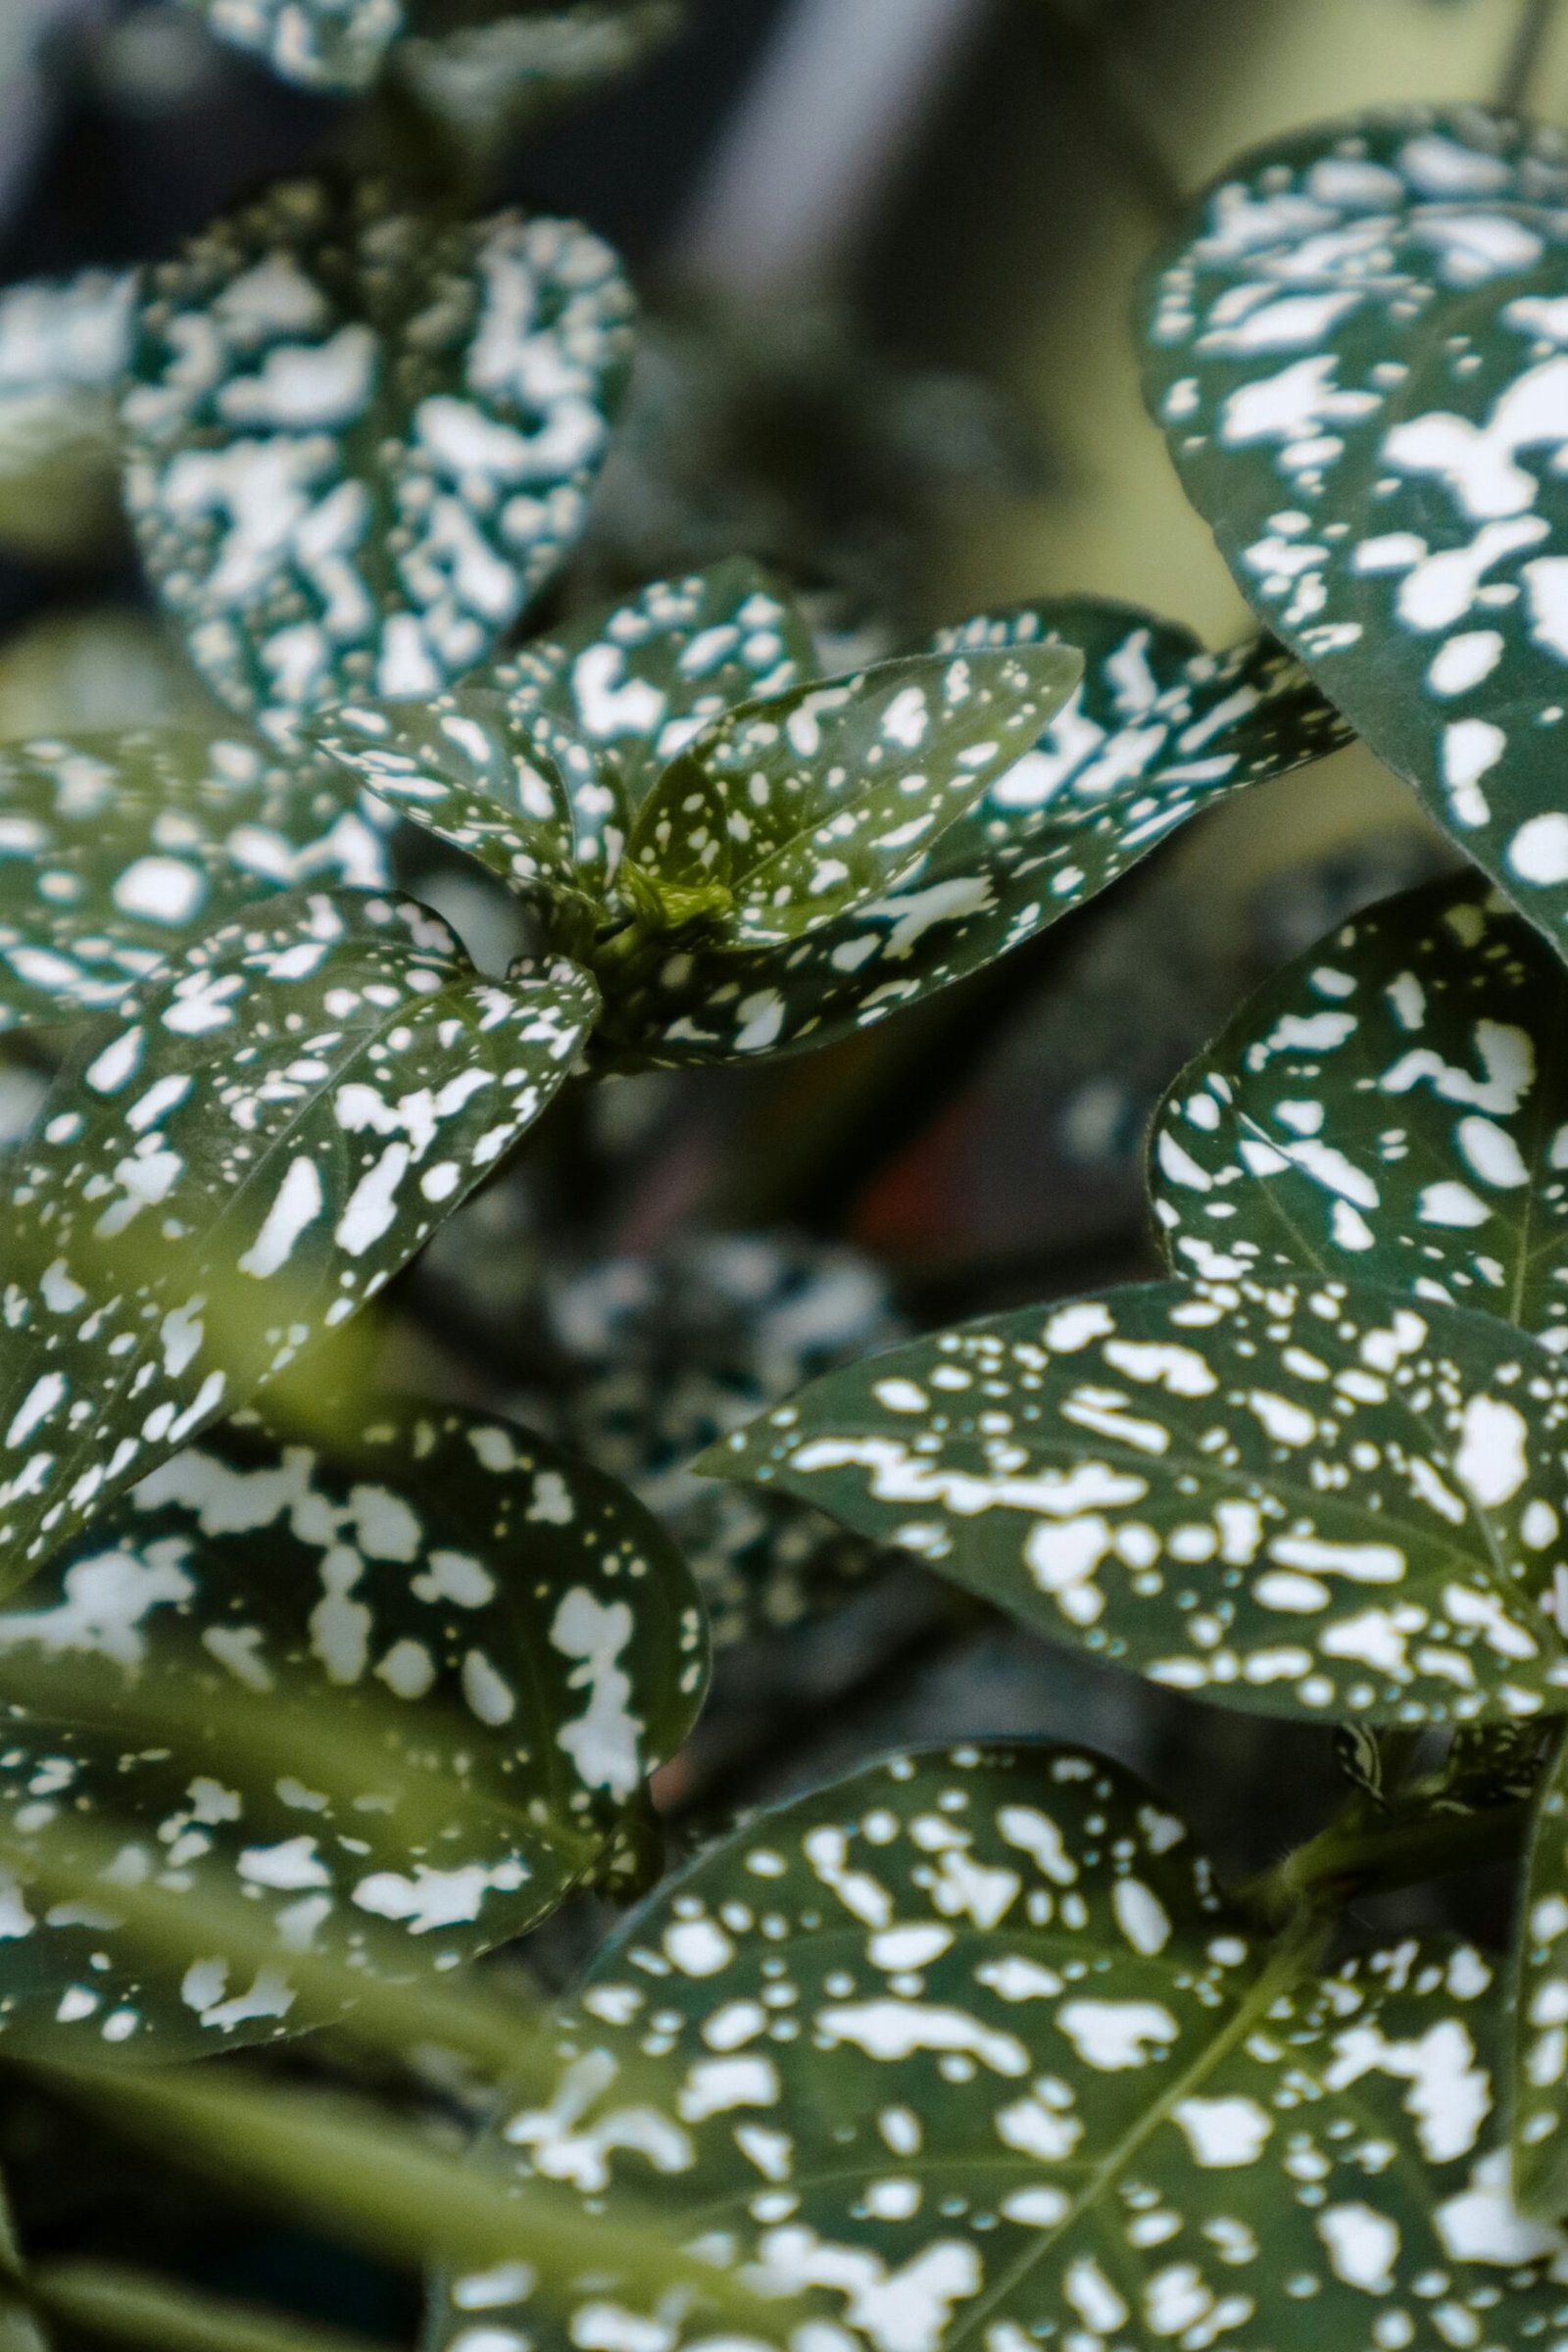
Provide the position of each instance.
(1515, 83)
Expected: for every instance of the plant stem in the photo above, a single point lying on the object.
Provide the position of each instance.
(1350, 1856)
(1514, 89)
(1082, 53)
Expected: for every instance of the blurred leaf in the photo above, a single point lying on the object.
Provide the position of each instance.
(63, 347)
(488, 81)
(118, 851)
(788, 810)
(322, 1083)
(1355, 342)
(106, 668)
(1300, 1498)
(1538, 2089)
(123, 2306)
(1157, 729)
(322, 44)
(965, 2047)
(1391, 1107)
(658, 1356)
(354, 2171)
(386, 448)
(489, 1645)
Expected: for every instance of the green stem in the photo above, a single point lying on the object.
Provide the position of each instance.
(1352, 1856)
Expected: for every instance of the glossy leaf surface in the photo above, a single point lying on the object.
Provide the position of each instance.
(118, 852)
(789, 811)
(361, 440)
(1157, 730)
(1297, 1498)
(1357, 345)
(236, 1165)
(1391, 1107)
(502, 1634)
(967, 2049)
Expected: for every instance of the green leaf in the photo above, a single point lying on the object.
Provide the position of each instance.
(383, 447)
(1538, 2089)
(63, 347)
(1356, 344)
(118, 852)
(470, 1651)
(486, 81)
(321, 44)
(1294, 1498)
(1390, 1108)
(115, 2305)
(315, 1090)
(969, 2048)
(790, 810)
(1157, 730)
(101, 669)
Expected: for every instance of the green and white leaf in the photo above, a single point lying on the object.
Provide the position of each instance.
(360, 441)
(793, 809)
(1296, 1499)
(118, 852)
(1391, 1107)
(235, 1166)
(469, 1651)
(636, 682)
(487, 80)
(464, 768)
(320, 44)
(63, 347)
(1157, 730)
(966, 2050)
(1357, 344)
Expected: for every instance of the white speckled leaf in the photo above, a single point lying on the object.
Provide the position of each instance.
(117, 851)
(1358, 343)
(321, 44)
(236, 1165)
(1391, 1107)
(1157, 730)
(507, 1632)
(1298, 1498)
(362, 440)
(464, 767)
(967, 2049)
(62, 348)
(791, 809)
(635, 682)
(486, 80)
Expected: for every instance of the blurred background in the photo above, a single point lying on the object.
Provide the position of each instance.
(887, 250)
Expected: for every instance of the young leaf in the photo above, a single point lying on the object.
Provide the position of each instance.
(1355, 343)
(1302, 1499)
(967, 2049)
(639, 681)
(119, 851)
(1157, 730)
(789, 810)
(498, 1643)
(63, 347)
(313, 1092)
(466, 770)
(321, 44)
(1391, 1107)
(386, 447)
